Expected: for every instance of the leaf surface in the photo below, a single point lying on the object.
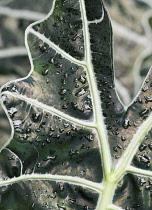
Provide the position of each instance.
(71, 131)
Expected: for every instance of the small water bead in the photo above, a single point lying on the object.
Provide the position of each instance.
(142, 181)
(73, 128)
(68, 133)
(82, 79)
(73, 152)
(66, 125)
(65, 106)
(50, 158)
(63, 82)
(150, 146)
(135, 124)
(86, 207)
(17, 123)
(61, 187)
(117, 156)
(38, 165)
(13, 89)
(84, 147)
(61, 207)
(148, 99)
(25, 136)
(4, 99)
(12, 111)
(36, 117)
(145, 88)
(145, 159)
(142, 147)
(89, 137)
(45, 72)
(61, 130)
(51, 60)
(58, 65)
(143, 112)
(28, 130)
(82, 173)
(52, 128)
(80, 92)
(117, 148)
(48, 141)
(150, 182)
(43, 48)
(74, 105)
(62, 92)
(139, 100)
(56, 137)
(126, 123)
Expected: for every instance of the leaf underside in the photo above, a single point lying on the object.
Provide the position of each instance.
(72, 137)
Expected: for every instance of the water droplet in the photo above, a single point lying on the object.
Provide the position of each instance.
(14, 89)
(43, 48)
(115, 149)
(139, 100)
(36, 117)
(126, 123)
(66, 125)
(89, 137)
(17, 123)
(148, 99)
(144, 159)
(12, 111)
(61, 130)
(150, 146)
(68, 133)
(61, 207)
(65, 106)
(86, 207)
(143, 112)
(73, 152)
(52, 128)
(58, 65)
(62, 92)
(74, 105)
(28, 130)
(50, 158)
(82, 79)
(45, 72)
(80, 92)
(48, 140)
(145, 88)
(142, 147)
(61, 187)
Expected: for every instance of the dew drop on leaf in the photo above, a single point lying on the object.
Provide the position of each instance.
(36, 117)
(143, 112)
(12, 111)
(126, 123)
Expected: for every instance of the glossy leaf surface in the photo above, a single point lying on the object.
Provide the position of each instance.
(71, 133)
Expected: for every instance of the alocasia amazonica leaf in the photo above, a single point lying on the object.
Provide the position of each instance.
(73, 141)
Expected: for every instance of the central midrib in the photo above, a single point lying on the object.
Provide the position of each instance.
(99, 119)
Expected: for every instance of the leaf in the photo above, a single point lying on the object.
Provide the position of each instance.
(73, 140)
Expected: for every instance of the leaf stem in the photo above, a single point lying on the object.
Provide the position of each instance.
(107, 195)
(58, 178)
(139, 171)
(131, 150)
(51, 110)
(55, 47)
(99, 119)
